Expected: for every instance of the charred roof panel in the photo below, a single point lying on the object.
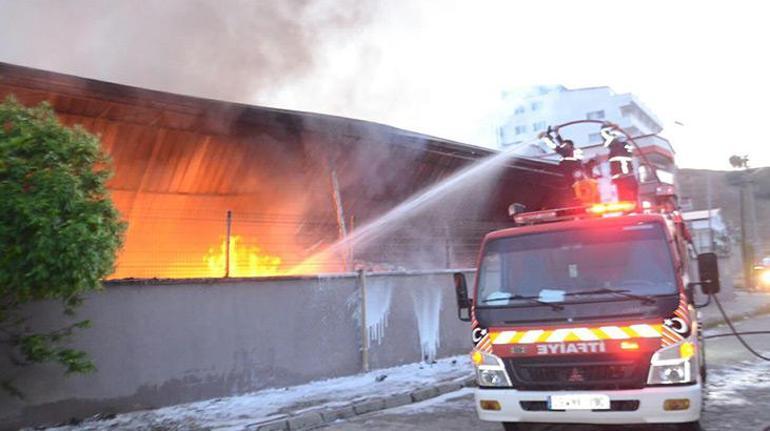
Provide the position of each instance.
(192, 158)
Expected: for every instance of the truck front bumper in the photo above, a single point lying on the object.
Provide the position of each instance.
(527, 406)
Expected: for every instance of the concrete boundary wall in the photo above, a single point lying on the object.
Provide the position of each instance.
(158, 343)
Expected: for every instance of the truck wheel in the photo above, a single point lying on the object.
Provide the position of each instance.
(514, 426)
(690, 426)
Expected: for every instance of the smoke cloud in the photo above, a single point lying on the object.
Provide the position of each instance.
(235, 50)
(364, 59)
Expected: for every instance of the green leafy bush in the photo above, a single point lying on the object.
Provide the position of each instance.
(59, 231)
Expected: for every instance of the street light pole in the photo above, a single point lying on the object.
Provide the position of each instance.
(745, 249)
(751, 223)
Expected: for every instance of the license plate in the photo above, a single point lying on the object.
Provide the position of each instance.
(579, 402)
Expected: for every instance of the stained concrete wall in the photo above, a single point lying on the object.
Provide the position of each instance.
(163, 343)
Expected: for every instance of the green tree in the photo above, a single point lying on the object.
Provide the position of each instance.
(59, 231)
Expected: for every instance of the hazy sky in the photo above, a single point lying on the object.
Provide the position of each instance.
(436, 67)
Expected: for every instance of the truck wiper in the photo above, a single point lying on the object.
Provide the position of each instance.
(622, 292)
(532, 299)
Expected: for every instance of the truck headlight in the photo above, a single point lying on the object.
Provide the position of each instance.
(490, 370)
(492, 378)
(673, 365)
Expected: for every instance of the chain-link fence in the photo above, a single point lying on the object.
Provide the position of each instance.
(199, 242)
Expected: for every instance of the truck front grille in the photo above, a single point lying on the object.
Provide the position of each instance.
(589, 372)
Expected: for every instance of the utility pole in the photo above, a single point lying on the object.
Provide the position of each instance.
(747, 226)
(745, 250)
(751, 223)
(748, 219)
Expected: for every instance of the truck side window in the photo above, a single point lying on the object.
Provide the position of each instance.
(491, 268)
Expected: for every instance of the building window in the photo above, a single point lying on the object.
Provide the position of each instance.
(536, 105)
(627, 110)
(520, 129)
(595, 138)
(519, 110)
(540, 125)
(595, 115)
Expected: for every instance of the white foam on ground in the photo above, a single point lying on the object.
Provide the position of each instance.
(727, 386)
(237, 412)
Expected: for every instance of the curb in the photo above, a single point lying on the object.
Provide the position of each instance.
(317, 417)
(737, 317)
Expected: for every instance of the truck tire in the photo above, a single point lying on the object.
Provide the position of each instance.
(514, 426)
(690, 426)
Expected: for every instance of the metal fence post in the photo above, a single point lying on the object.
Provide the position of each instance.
(364, 327)
(227, 243)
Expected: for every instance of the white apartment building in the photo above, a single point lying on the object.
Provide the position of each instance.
(530, 111)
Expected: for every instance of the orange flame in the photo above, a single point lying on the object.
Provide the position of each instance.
(180, 237)
(245, 261)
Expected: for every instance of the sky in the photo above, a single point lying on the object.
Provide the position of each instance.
(436, 67)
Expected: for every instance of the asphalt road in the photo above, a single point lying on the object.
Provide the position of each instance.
(738, 397)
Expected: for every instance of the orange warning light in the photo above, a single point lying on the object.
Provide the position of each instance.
(611, 207)
(629, 345)
(477, 357)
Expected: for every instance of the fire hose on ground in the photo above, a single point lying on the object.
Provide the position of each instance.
(736, 334)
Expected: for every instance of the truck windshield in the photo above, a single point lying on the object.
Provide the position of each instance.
(577, 265)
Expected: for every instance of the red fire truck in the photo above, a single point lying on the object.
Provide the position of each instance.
(587, 315)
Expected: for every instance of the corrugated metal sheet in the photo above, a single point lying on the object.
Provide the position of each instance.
(182, 162)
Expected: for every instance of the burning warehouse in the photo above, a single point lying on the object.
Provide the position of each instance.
(212, 189)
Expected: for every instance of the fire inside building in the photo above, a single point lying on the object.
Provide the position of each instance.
(214, 189)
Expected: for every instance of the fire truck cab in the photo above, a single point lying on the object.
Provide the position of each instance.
(587, 315)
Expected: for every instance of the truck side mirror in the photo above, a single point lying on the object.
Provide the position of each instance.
(463, 302)
(708, 271)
